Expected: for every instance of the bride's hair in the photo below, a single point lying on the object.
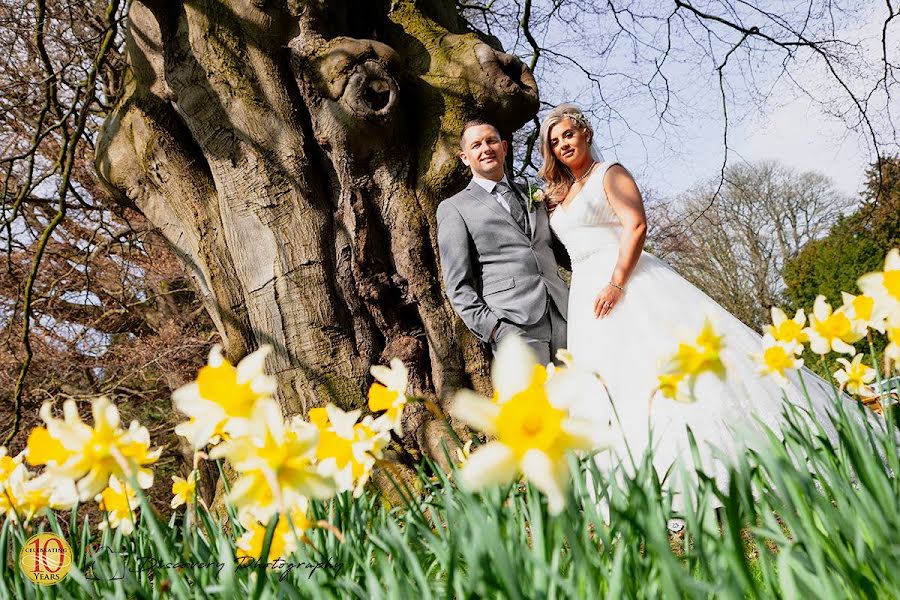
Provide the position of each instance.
(557, 175)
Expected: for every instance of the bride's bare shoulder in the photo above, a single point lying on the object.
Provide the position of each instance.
(618, 183)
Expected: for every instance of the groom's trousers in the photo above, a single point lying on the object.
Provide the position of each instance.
(545, 337)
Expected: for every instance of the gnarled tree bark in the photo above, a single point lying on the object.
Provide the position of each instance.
(294, 153)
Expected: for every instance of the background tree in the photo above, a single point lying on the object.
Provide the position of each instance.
(294, 155)
(855, 245)
(92, 299)
(735, 248)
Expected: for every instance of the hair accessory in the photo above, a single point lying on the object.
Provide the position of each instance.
(578, 118)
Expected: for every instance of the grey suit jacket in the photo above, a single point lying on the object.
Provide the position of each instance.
(491, 269)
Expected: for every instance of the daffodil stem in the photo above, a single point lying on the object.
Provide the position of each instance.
(884, 395)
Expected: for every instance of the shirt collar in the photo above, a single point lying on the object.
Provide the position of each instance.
(488, 184)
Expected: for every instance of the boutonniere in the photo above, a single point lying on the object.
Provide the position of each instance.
(535, 196)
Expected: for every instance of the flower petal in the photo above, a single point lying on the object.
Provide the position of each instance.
(513, 366)
(476, 411)
(551, 479)
(491, 464)
(342, 422)
(575, 388)
(253, 364)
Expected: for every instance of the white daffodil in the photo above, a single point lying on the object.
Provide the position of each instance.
(389, 394)
(884, 288)
(13, 475)
(347, 450)
(777, 358)
(532, 430)
(274, 461)
(90, 455)
(787, 330)
(855, 376)
(463, 454)
(119, 502)
(22, 495)
(220, 402)
(832, 330)
(860, 310)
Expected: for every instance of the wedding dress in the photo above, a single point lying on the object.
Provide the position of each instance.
(628, 347)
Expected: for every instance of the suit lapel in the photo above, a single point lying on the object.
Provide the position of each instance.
(538, 217)
(533, 213)
(480, 194)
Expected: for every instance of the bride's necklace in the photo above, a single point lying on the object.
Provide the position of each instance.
(587, 172)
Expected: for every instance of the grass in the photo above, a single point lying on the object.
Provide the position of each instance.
(805, 517)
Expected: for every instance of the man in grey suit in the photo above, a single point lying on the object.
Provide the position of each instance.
(497, 258)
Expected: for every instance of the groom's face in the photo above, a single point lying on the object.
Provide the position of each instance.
(484, 152)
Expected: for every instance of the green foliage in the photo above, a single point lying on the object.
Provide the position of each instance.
(855, 245)
(804, 517)
(833, 264)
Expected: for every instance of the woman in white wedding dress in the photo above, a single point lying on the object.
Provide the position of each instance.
(628, 310)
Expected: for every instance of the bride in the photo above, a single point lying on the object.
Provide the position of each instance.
(628, 310)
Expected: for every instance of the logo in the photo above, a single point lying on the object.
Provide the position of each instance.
(46, 558)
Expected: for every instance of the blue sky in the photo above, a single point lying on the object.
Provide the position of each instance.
(772, 118)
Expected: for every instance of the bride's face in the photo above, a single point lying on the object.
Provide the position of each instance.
(569, 144)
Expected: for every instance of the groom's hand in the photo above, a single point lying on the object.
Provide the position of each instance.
(494, 332)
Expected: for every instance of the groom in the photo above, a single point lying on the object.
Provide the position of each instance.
(496, 257)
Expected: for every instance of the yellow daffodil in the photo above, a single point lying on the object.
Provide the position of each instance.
(347, 450)
(119, 501)
(389, 394)
(777, 358)
(884, 288)
(670, 385)
(691, 360)
(703, 356)
(222, 399)
(290, 528)
(855, 376)
(787, 330)
(184, 490)
(860, 310)
(532, 432)
(274, 462)
(832, 330)
(92, 454)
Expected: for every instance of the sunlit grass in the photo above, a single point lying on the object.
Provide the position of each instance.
(806, 517)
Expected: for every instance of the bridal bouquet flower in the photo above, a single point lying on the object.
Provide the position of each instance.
(535, 196)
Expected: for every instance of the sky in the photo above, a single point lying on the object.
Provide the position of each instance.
(772, 119)
(797, 134)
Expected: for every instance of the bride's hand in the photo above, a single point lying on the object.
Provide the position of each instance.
(606, 300)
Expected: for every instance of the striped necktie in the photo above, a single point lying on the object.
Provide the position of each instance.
(516, 204)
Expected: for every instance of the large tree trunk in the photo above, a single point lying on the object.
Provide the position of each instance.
(294, 153)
